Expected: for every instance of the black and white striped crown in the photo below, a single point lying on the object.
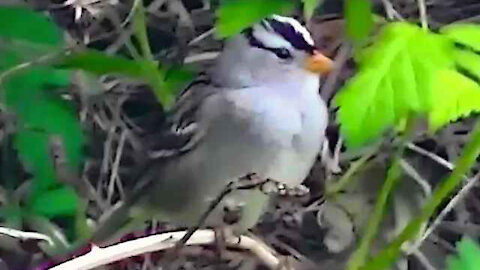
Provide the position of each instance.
(278, 32)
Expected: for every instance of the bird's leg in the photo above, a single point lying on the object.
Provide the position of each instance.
(220, 242)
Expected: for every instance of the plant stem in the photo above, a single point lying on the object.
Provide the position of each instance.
(360, 255)
(468, 158)
(346, 178)
(140, 30)
(358, 258)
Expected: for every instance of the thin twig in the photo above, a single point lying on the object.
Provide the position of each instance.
(423, 260)
(26, 235)
(116, 165)
(453, 202)
(391, 12)
(445, 163)
(206, 56)
(201, 37)
(423, 14)
(410, 170)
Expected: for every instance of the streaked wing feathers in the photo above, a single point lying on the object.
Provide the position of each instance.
(182, 131)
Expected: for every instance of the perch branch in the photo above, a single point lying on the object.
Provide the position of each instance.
(102, 256)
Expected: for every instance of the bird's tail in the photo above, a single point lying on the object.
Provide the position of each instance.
(111, 225)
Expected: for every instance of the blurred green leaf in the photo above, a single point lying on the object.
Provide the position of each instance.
(31, 95)
(466, 34)
(359, 19)
(235, 15)
(309, 7)
(101, 64)
(56, 202)
(28, 25)
(468, 257)
(177, 77)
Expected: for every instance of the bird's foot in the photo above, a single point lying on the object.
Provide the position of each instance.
(270, 186)
(275, 187)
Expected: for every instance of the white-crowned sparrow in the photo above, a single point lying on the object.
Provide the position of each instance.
(258, 111)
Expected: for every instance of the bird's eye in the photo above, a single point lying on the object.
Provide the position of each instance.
(283, 53)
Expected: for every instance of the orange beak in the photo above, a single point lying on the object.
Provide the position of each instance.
(318, 63)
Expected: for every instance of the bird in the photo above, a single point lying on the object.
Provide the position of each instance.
(257, 110)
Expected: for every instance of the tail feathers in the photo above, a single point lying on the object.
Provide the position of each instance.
(115, 224)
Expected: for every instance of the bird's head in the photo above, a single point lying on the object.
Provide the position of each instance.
(271, 49)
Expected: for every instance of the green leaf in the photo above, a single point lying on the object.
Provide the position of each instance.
(309, 7)
(359, 19)
(235, 15)
(466, 34)
(469, 61)
(53, 203)
(101, 64)
(468, 256)
(28, 25)
(39, 110)
(456, 96)
(394, 79)
(176, 78)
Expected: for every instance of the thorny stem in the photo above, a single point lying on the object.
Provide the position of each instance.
(358, 258)
(468, 158)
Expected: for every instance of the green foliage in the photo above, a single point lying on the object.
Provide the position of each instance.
(165, 81)
(467, 34)
(99, 63)
(309, 7)
(56, 202)
(236, 15)
(406, 70)
(456, 96)
(40, 112)
(468, 256)
(359, 19)
(386, 257)
(24, 24)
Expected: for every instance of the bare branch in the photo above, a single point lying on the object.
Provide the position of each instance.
(102, 256)
(25, 235)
